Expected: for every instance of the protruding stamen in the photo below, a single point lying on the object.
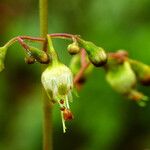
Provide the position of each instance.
(63, 122)
(67, 102)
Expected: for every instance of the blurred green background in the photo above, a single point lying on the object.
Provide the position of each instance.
(104, 120)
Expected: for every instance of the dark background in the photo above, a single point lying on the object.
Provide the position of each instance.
(104, 120)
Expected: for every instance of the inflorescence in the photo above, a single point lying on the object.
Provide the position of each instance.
(59, 81)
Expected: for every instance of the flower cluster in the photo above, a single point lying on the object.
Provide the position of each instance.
(122, 73)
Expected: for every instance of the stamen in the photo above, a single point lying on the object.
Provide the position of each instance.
(63, 123)
(67, 102)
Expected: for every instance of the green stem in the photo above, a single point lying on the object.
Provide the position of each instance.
(51, 50)
(9, 43)
(43, 7)
(47, 108)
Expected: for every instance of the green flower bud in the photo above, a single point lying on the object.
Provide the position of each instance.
(73, 48)
(75, 65)
(3, 51)
(121, 78)
(142, 71)
(57, 80)
(96, 54)
(39, 55)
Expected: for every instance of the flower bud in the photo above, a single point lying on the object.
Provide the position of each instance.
(3, 51)
(121, 78)
(73, 48)
(96, 54)
(39, 55)
(75, 65)
(142, 71)
(57, 80)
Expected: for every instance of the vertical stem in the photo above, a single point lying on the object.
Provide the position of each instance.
(43, 7)
(47, 107)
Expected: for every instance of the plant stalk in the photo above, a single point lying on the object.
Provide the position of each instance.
(47, 106)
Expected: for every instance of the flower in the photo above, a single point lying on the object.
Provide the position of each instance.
(57, 80)
(122, 79)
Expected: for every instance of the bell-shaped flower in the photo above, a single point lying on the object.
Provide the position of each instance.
(57, 80)
(122, 79)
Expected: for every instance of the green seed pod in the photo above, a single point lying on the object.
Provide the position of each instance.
(39, 55)
(3, 51)
(121, 78)
(142, 71)
(73, 48)
(96, 54)
(75, 65)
